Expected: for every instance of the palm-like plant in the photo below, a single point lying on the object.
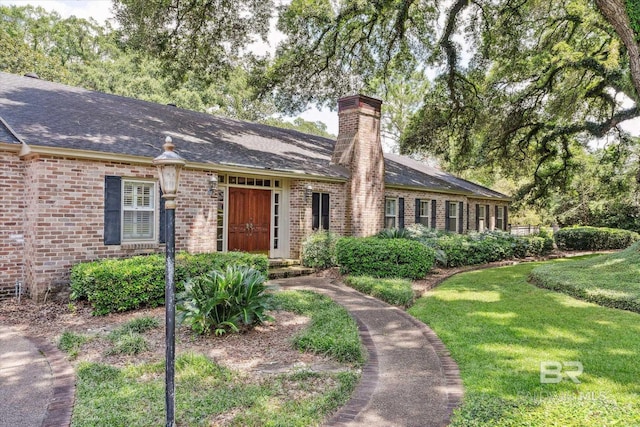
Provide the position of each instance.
(224, 301)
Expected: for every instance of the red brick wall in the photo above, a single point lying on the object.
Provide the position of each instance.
(300, 210)
(64, 217)
(11, 223)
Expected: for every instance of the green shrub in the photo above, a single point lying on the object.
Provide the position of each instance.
(224, 300)
(393, 233)
(454, 250)
(319, 250)
(371, 256)
(594, 238)
(393, 291)
(112, 285)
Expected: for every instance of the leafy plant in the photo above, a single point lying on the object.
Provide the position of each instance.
(594, 238)
(319, 250)
(394, 291)
(372, 256)
(113, 285)
(222, 301)
(393, 233)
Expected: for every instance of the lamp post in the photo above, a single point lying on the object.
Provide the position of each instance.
(169, 165)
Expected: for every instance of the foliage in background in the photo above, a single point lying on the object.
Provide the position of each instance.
(609, 280)
(319, 250)
(332, 331)
(594, 238)
(456, 250)
(112, 285)
(224, 300)
(373, 256)
(393, 291)
(499, 329)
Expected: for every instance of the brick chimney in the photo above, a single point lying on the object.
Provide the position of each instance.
(359, 149)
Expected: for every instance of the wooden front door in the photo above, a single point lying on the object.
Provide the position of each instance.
(249, 225)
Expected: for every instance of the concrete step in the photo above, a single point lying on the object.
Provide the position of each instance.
(283, 262)
(290, 271)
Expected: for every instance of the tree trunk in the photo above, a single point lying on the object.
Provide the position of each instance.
(615, 13)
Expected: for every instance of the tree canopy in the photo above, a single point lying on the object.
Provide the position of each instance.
(522, 86)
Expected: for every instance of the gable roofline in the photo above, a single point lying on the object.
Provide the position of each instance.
(25, 150)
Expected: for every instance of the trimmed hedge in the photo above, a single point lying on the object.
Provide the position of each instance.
(594, 238)
(610, 280)
(393, 291)
(457, 250)
(372, 256)
(319, 250)
(112, 285)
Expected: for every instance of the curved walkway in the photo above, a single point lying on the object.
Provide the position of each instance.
(37, 384)
(409, 378)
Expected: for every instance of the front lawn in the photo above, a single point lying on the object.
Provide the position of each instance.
(500, 329)
(120, 369)
(611, 280)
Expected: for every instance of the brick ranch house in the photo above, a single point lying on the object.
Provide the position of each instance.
(77, 182)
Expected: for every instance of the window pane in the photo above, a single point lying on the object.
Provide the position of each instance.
(424, 209)
(390, 222)
(391, 207)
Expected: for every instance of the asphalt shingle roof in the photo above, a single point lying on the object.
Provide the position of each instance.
(43, 113)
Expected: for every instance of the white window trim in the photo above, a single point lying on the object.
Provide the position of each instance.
(386, 211)
(154, 209)
(482, 218)
(500, 218)
(427, 215)
(453, 214)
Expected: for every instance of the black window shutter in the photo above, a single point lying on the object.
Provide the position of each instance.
(112, 207)
(477, 217)
(162, 221)
(468, 216)
(486, 217)
(461, 217)
(417, 211)
(433, 214)
(401, 212)
(506, 217)
(446, 215)
(325, 211)
(315, 211)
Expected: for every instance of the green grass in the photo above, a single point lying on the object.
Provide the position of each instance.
(332, 331)
(71, 343)
(611, 280)
(499, 329)
(209, 394)
(127, 339)
(393, 291)
(134, 395)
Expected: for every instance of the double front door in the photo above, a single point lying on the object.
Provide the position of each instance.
(249, 220)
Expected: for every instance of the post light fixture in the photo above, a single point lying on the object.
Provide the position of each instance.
(308, 192)
(169, 165)
(213, 184)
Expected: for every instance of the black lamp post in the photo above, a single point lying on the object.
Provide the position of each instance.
(169, 165)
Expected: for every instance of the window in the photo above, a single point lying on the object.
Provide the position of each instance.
(423, 212)
(138, 210)
(320, 211)
(500, 218)
(390, 213)
(220, 216)
(452, 219)
(481, 214)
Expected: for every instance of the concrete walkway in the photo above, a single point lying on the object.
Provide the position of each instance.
(37, 384)
(409, 379)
